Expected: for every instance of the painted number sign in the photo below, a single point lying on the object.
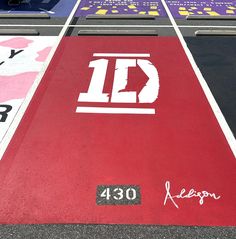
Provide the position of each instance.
(118, 195)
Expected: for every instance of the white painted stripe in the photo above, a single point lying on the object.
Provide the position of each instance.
(32, 90)
(84, 26)
(119, 26)
(205, 26)
(218, 114)
(150, 26)
(111, 110)
(121, 55)
(29, 25)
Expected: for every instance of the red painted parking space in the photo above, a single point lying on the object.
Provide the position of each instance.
(119, 131)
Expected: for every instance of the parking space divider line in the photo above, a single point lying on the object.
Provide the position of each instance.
(214, 106)
(6, 140)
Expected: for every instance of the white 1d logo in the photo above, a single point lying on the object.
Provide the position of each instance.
(148, 94)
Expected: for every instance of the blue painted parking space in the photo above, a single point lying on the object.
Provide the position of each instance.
(55, 8)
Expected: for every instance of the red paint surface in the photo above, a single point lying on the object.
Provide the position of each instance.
(57, 157)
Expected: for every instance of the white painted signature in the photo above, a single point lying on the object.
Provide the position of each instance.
(187, 194)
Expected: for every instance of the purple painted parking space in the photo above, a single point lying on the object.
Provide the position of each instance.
(183, 8)
(103, 7)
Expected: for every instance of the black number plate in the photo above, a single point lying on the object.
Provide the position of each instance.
(118, 195)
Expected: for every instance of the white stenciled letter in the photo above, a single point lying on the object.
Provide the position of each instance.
(95, 91)
(149, 93)
(120, 94)
(121, 80)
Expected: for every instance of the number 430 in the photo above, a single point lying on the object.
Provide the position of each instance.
(119, 194)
